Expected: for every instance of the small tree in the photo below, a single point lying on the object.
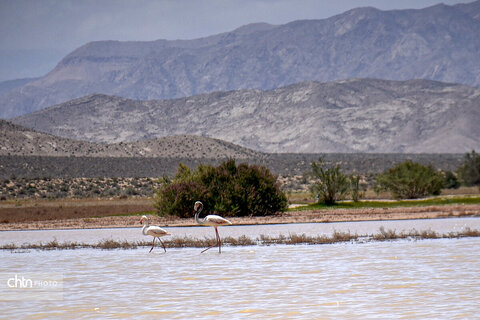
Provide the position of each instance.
(469, 171)
(356, 188)
(330, 184)
(410, 180)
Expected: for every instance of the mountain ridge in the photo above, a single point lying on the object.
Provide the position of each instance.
(355, 115)
(439, 43)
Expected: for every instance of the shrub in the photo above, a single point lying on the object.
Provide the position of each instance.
(469, 171)
(330, 184)
(410, 180)
(177, 198)
(357, 189)
(451, 181)
(227, 189)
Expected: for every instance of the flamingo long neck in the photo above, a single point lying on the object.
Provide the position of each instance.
(145, 226)
(199, 221)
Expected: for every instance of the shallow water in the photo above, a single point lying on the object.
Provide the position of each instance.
(93, 236)
(399, 279)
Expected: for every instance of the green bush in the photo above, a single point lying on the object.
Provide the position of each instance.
(410, 180)
(330, 184)
(469, 171)
(227, 189)
(177, 198)
(451, 181)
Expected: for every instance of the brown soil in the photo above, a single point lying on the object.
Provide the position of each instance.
(38, 210)
(99, 214)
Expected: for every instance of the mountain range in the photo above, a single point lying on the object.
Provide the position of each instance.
(439, 43)
(357, 115)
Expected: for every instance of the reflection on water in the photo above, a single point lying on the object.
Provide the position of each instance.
(399, 279)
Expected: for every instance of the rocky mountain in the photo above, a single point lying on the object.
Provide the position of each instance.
(19, 141)
(359, 115)
(439, 43)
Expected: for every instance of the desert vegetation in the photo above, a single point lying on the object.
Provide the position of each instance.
(410, 180)
(228, 189)
(30, 199)
(77, 188)
(406, 180)
(330, 184)
(469, 171)
(262, 240)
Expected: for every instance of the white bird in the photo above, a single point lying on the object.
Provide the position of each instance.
(210, 220)
(154, 231)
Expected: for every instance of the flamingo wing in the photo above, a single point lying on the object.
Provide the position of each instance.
(156, 231)
(214, 220)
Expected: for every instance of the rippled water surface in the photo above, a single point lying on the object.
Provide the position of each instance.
(252, 231)
(399, 279)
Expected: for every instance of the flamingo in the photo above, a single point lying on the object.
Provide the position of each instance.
(210, 220)
(154, 231)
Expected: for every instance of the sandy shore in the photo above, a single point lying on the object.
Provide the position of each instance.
(327, 215)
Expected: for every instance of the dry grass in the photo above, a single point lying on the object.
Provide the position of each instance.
(386, 235)
(42, 210)
(425, 234)
(262, 240)
(305, 239)
(461, 191)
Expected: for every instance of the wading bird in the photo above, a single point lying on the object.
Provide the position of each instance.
(210, 220)
(154, 231)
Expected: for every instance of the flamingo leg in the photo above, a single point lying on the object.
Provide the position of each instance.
(219, 242)
(208, 248)
(205, 249)
(153, 244)
(163, 244)
(216, 238)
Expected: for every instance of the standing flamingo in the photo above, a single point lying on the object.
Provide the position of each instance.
(210, 220)
(154, 231)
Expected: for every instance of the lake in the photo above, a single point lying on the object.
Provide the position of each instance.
(402, 279)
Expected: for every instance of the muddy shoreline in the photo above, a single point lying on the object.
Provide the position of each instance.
(309, 216)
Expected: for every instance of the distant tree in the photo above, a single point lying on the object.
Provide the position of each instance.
(469, 171)
(356, 188)
(451, 180)
(330, 184)
(410, 180)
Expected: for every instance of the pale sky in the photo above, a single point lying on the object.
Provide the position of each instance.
(36, 34)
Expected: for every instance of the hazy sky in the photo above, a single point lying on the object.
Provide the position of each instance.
(36, 34)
